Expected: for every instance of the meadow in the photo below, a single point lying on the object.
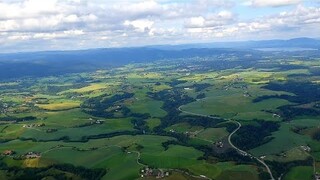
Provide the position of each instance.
(171, 115)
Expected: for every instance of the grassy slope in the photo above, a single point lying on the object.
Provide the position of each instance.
(284, 140)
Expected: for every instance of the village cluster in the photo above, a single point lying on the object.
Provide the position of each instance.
(28, 155)
(157, 173)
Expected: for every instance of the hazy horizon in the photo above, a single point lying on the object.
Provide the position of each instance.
(160, 45)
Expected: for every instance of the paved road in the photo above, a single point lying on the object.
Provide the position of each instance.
(229, 139)
(138, 158)
(246, 153)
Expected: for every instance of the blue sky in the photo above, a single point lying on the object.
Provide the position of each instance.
(32, 25)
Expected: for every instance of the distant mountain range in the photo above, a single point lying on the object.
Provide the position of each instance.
(137, 54)
(59, 62)
(291, 43)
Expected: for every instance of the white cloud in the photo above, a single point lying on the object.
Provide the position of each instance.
(19, 37)
(301, 21)
(211, 20)
(141, 25)
(8, 25)
(29, 8)
(74, 32)
(197, 21)
(96, 23)
(273, 3)
(72, 18)
(300, 17)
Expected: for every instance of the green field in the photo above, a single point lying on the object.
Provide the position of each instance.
(294, 154)
(300, 172)
(233, 104)
(184, 127)
(213, 134)
(144, 104)
(172, 116)
(77, 133)
(284, 140)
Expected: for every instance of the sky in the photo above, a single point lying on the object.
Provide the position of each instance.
(37, 25)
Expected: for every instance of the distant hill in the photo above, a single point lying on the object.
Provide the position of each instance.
(291, 43)
(59, 62)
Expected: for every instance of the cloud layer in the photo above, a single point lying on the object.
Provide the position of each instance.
(28, 25)
(274, 3)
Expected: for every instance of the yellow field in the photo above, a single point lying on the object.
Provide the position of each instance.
(9, 84)
(296, 62)
(255, 77)
(31, 163)
(161, 87)
(149, 75)
(199, 77)
(59, 106)
(12, 131)
(92, 87)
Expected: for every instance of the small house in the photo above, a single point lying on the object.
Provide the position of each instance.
(8, 152)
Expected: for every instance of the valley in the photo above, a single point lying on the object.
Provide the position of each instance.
(251, 114)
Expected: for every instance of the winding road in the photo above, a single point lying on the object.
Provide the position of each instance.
(202, 177)
(230, 142)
